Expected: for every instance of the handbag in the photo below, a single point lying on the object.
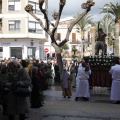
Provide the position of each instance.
(22, 91)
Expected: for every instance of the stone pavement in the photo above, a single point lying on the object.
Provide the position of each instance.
(99, 107)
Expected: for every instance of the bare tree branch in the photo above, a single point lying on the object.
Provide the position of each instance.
(87, 7)
(41, 2)
(57, 50)
(29, 9)
(57, 16)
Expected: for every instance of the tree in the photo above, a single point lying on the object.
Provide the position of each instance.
(64, 49)
(57, 15)
(83, 23)
(115, 11)
(82, 26)
(74, 49)
(108, 21)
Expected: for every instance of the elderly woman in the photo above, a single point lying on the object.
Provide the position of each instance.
(66, 83)
(16, 104)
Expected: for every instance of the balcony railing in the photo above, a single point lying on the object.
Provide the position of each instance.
(75, 42)
(14, 29)
(40, 31)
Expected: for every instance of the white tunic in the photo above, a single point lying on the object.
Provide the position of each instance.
(115, 88)
(82, 89)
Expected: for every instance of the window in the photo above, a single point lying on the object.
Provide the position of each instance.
(73, 37)
(1, 49)
(34, 27)
(89, 37)
(16, 52)
(14, 25)
(1, 53)
(14, 5)
(36, 9)
(31, 52)
(0, 25)
(58, 36)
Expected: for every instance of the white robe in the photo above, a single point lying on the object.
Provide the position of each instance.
(115, 88)
(82, 89)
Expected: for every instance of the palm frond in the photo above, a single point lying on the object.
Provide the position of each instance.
(112, 9)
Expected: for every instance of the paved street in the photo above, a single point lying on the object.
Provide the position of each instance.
(56, 107)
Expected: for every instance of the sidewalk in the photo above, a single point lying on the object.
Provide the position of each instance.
(56, 107)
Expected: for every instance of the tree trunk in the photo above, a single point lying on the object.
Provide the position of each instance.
(116, 48)
(59, 58)
(60, 63)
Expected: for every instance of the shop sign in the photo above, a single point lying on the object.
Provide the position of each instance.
(5, 43)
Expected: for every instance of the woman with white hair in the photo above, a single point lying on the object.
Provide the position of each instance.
(66, 83)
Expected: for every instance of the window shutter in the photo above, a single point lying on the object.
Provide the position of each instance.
(58, 36)
(73, 37)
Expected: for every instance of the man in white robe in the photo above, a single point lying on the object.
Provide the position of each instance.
(115, 87)
(82, 89)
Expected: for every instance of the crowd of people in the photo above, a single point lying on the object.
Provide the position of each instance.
(83, 72)
(39, 76)
(21, 74)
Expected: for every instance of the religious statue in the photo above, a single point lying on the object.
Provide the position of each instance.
(100, 43)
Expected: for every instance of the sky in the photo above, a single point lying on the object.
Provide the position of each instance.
(72, 7)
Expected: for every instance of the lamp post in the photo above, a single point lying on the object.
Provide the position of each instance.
(83, 47)
(113, 44)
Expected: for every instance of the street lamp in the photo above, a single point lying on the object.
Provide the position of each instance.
(83, 47)
(113, 40)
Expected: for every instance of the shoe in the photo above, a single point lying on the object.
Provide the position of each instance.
(85, 98)
(26, 116)
(69, 97)
(76, 99)
(64, 97)
(117, 102)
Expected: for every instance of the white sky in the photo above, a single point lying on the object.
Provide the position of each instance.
(72, 7)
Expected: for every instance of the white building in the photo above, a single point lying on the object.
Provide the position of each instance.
(75, 38)
(20, 34)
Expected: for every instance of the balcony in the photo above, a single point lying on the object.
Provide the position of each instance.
(14, 29)
(75, 42)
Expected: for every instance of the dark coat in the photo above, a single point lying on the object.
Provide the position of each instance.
(18, 104)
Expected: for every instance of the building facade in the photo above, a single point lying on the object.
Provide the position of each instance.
(75, 39)
(20, 34)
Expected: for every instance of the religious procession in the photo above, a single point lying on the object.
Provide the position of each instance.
(39, 54)
(23, 82)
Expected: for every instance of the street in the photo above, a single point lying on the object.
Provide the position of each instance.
(99, 107)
